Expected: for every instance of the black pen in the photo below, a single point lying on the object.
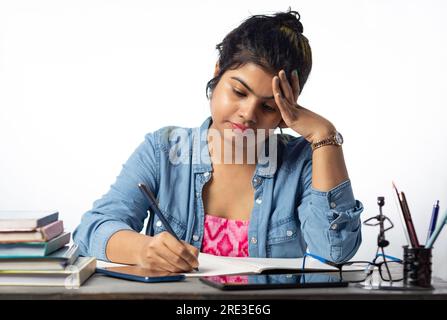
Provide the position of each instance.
(155, 209)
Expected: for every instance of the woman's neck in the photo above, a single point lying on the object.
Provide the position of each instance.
(230, 153)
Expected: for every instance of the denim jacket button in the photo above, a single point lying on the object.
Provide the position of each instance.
(259, 201)
(333, 205)
(334, 226)
(195, 237)
(206, 174)
(289, 233)
(254, 240)
(158, 223)
(197, 194)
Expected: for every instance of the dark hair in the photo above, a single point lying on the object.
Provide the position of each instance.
(273, 42)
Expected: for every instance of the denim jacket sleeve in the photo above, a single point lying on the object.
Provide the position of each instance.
(330, 221)
(123, 207)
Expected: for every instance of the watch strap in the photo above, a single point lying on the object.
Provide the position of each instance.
(331, 140)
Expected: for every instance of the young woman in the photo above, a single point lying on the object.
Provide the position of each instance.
(284, 195)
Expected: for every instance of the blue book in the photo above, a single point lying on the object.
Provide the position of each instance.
(33, 249)
(57, 260)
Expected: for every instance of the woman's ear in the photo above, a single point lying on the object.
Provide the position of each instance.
(216, 69)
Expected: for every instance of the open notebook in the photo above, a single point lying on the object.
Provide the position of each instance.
(210, 265)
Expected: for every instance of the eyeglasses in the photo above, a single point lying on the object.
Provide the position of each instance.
(390, 269)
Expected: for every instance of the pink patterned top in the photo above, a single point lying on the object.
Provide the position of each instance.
(224, 237)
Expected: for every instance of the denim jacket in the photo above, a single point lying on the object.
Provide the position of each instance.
(288, 216)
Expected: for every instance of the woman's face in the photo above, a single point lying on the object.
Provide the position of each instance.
(243, 99)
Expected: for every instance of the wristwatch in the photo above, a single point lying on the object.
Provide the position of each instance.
(335, 139)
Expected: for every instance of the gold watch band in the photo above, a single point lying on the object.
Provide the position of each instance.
(336, 139)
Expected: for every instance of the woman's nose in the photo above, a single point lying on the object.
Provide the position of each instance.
(247, 111)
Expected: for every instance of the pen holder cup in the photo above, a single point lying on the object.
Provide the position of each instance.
(417, 267)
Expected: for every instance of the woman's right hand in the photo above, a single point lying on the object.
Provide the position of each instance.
(163, 252)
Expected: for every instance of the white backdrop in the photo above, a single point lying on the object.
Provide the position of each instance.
(81, 82)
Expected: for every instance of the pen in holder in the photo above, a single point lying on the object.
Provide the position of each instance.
(417, 266)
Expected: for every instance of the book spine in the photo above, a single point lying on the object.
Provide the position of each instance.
(87, 271)
(48, 219)
(72, 254)
(57, 243)
(52, 230)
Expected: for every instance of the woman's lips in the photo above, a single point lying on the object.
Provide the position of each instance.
(239, 126)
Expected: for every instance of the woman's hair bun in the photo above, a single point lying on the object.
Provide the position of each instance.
(290, 19)
(273, 41)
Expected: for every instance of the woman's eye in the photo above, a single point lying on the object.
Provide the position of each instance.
(238, 93)
(268, 108)
(265, 106)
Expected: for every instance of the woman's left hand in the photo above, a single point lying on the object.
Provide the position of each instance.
(308, 124)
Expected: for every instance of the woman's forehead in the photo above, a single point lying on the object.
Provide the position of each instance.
(251, 69)
(254, 78)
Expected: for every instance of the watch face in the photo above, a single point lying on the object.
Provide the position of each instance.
(338, 138)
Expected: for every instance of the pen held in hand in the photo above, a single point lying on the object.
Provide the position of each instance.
(154, 207)
(156, 210)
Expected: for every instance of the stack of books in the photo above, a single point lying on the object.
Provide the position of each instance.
(35, 251)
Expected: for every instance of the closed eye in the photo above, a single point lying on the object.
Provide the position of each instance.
(268, 108)
(240, 94)
(265, 106)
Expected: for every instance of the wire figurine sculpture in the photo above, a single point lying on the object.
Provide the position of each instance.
(381, 241)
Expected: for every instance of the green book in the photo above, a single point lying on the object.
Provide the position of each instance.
(33, 249)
